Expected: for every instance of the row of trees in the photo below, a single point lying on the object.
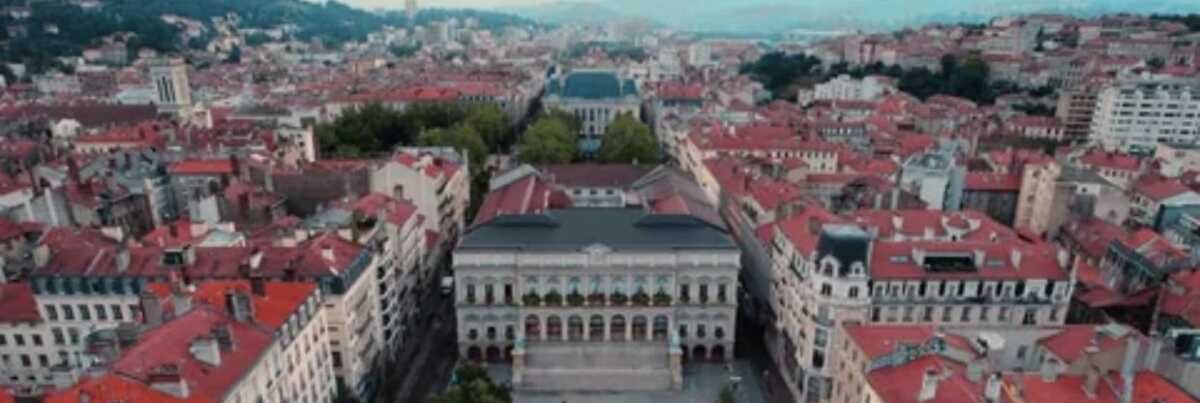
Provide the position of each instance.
(552, 139)
(375, 128)
(481, 130)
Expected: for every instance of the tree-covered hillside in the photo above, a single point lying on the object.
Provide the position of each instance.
(331, 21)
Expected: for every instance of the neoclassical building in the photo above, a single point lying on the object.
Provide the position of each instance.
(595, 298)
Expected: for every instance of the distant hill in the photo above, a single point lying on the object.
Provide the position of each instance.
(331, 21)
(772, 16)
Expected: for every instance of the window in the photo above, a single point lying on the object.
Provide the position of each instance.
(19, 339)
(25, 361)
(700, 331)
(966, 314)
(37, 340)
(68, 312)
(116, 312)
(853, 293)
(100, 313)
(337, 359)
(826, 290)
(59, 338)
(84, 312)
(43, 360)
(74, 334)
(683, 331)
(51, 312)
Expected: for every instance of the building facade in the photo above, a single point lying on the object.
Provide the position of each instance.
(577, 297)
(596, 98)
(1137, 116)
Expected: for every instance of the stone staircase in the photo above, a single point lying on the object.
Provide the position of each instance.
(586, 366)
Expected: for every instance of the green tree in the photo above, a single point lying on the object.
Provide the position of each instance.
(474, 386)
(567, 118)
(368, 129)
(491, 122)
(548, 141)
(461, 137)
(628, 140)
(1156, 63)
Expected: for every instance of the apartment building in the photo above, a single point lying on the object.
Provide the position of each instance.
(845, 88)
(901, 267)
(219, 341)
(1136, 116)
(436, 180)
(86, 284)
(919, 363)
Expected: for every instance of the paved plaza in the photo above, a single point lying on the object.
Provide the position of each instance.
(702, 384)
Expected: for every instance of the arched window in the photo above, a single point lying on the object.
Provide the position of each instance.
(853, 293)
(661, 326)
(554, 327)
(533, 327)
(617, 328)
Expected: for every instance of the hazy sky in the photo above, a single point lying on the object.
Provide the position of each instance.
(445, 3)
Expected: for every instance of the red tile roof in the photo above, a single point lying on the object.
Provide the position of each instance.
(528, 195)
(879, 340)
(1182, 297)
(992, 182)
(902, 384)
(1148, 387)
(895, 260)
(1111, 160)
(1159, 189)
(169, 345)
(394, 211)
(1071, 341)
(594, 175)
(202, 167)
(17, 303)
(915, 223)
(115, 388)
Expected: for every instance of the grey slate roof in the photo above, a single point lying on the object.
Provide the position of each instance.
(576, 228)
(592, 85)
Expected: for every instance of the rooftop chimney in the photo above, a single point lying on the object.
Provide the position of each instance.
(1049, 370)
(327, 252)
(258, 286)
(1090, 379)
(929, 385)
(256, 259)
(1129, 368)
(152, 312)
(991, 390)
(181, 298)
(206, 350)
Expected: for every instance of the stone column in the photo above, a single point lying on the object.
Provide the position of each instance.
(629, 328)
(587, 329)
(542, 327)
(607, 328)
